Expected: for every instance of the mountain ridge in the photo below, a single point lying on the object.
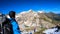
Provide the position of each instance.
(37, 19)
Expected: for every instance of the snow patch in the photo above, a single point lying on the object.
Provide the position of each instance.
(51, 31)
(23, 12)
(41, 11)
(8, 16)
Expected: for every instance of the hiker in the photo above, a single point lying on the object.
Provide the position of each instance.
(14, 23)
(5, 26)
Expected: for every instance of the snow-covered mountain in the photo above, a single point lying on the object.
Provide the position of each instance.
(34, 19)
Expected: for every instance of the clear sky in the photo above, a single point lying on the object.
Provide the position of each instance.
(24, 5)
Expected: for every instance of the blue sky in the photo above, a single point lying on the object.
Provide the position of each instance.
(24, 5)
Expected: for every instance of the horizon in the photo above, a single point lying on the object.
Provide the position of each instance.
(25, 5)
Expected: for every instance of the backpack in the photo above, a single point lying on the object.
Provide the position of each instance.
(6, 27)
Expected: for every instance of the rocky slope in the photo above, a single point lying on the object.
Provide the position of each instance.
(32, 19)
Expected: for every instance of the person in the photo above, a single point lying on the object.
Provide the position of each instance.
(5, 26)
(14, 23)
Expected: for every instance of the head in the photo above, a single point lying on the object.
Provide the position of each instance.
(12, 14)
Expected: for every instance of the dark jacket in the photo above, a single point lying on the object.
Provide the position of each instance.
(6, 27)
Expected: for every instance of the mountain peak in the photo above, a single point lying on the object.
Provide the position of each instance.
(30, 10)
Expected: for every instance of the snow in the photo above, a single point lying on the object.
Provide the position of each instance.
(17, 16)
(56, 32)
(41, 11)
(30, 10)
(8, 16)
(23, 12)
(51, 31)
(27, 23)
